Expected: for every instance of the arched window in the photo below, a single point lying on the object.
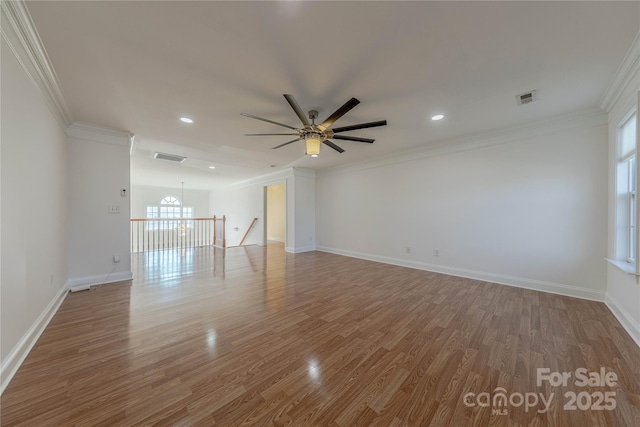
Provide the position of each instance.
(170, 207)
(170, 200)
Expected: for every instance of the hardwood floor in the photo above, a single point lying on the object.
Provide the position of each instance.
(254, 336)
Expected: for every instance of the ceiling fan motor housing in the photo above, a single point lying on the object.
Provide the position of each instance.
(315, 135)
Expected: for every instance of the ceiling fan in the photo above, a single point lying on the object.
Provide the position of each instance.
(314, 134)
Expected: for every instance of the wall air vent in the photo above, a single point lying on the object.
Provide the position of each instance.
(169, 157)
(526, 98)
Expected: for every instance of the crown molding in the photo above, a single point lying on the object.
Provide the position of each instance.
(584, 119)
(306, 172)
(94, 133)
(272, 178)
(267, 179)
(20, 33)
(627, 74)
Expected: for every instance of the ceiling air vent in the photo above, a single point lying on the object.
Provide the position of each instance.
(526, 98)
(169, 157)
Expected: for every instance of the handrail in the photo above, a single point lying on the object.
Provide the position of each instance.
(172, 219)
(247, 233)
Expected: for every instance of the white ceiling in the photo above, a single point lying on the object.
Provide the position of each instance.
(138, 66)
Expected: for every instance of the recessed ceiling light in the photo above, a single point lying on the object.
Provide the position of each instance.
(314, 155)
(437, 117)
(212, 167)
(186, 120)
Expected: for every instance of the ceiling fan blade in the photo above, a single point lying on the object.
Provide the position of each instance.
(294, 104)
(353, 138)
(267, 120)
(360, 126)
(267, 134)
(338, 113)
(332, 145)
(287, 143)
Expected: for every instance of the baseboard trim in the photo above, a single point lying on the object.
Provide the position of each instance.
(299, 250)
(84, 283)
(12, 362)
(628, 323)
(275, 239)
(501, 279)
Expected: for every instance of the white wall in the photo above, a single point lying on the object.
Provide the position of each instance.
(276, 212)
(246, 200)
(530, 212)
(98, 170)
(304, 214)
(143, 196)
(240, 206)
(34, 213)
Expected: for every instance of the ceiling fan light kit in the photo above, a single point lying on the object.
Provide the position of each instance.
(313, 134)
(313, 144)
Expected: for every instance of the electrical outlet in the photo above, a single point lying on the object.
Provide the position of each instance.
(436, 252)
(116, 258)
(407, 250)
(114, 209)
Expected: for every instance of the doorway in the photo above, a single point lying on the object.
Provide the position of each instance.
(275, 214)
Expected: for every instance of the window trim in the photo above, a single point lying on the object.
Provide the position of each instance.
(625, 261)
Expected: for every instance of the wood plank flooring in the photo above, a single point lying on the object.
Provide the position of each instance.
(254, 336)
